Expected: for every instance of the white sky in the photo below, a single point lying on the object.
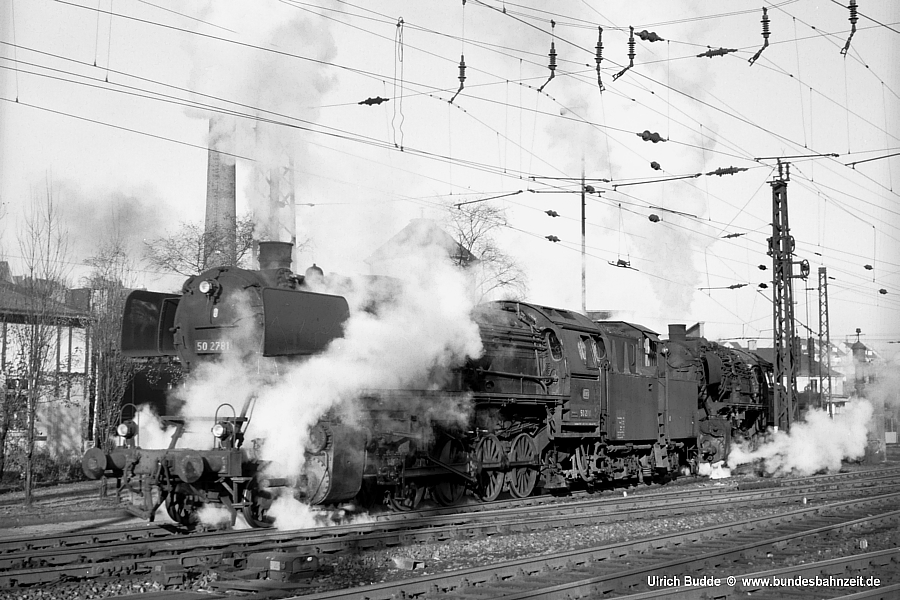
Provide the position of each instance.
(124, 141)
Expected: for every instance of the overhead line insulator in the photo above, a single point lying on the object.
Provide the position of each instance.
(552, 65)
(462, 76)
(649, 136)
(599, 58)
(650, 36)
(765, 34)
(727, 171)
(717, 52)
(630, 54)
(375, 100)
(853, 19)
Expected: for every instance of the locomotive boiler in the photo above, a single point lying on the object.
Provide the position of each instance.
(556, 401)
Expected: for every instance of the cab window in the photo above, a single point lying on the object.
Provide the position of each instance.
(554, 345)
(621, 357)
(587, 350)
(649, 352)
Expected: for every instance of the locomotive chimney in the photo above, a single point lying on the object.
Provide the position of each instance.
(275, 255)
(677, 331)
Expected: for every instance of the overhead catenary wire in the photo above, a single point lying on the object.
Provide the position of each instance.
(607, 138)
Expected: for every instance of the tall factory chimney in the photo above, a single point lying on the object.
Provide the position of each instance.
(221, 213)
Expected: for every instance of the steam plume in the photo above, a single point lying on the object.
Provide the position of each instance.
(818, 443)
(284, 80)
(420, 329)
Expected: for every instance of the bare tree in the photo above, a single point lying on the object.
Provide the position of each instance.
(44, 246)
(496, 272)
(109, 283)
(191, 249)
(13, 405)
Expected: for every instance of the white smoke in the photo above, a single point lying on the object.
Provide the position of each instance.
(408, 340)
(885, 389)
(290, 513)
(278, 86)
(152, 431)
(221, 388)
(815, 444)
(214, 516)
(716, 470)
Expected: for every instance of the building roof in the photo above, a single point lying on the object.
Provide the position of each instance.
(16, 304)
(421, 232)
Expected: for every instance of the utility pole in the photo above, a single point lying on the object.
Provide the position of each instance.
(824, 343)
(781, 249)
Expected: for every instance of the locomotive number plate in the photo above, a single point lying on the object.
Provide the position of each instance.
(212, 346)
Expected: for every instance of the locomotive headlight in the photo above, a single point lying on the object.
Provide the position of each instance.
(208, 287)
(127, 429)
(222, 430)
(318, 438)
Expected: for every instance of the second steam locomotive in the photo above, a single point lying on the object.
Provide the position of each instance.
(556, 401)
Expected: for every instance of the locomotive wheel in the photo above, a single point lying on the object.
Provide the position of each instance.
(490, 481)
(447, 493)
(182, 509)
(522, 479)
(255, 514)
(407, 497)
(580, 462)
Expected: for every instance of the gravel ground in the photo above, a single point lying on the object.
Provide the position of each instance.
(59, 508)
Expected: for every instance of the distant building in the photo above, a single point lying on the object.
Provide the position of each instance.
(388, 258)
(62, 397)
(807, 372)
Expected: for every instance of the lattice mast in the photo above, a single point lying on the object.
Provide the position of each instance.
(781, 248)
(824, 343)
(583, 238)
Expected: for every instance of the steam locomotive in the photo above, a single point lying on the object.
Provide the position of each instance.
(557, 401)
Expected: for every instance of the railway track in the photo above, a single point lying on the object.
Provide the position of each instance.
(616, 568)
(843, 578)
(647, 497)
(102, 554)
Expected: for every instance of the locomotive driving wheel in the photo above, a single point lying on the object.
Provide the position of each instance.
(406, 497)
(490, 480)
(581, 462)
(522, 479)
(256, 509)
(182, 508)
(448, 492)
